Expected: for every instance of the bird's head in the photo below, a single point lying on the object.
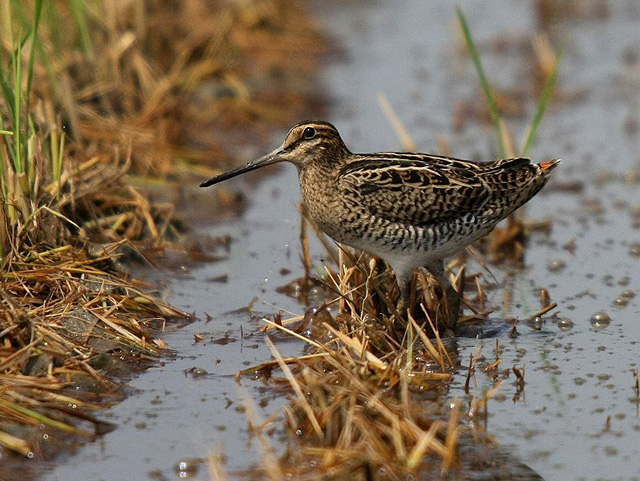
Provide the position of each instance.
(306, 143)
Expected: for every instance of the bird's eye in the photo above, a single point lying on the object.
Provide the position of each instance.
(309, 133)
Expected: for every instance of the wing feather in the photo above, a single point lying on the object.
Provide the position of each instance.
(422, 189)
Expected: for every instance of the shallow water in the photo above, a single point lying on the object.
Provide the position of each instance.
(576, 379)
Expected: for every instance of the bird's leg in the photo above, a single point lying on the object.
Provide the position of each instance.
(453, 299)
(404, 284)
(451, 296)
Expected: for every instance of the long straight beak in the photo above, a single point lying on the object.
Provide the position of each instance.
(270, 158)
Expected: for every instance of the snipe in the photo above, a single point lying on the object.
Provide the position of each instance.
(411, 209)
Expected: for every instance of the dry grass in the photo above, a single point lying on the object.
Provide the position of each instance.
(361, 403)
(368, 395)
(355, 410)
(66, 313)
(92, 93)
(67, 322)
(169, 81)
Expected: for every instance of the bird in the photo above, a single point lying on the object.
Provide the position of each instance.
(412, 210)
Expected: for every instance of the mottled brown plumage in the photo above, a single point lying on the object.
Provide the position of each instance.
(413, 210)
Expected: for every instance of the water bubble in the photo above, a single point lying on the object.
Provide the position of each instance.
(556, 265)
(565, 324)
(199, 372)
(315, 319)
(536, 324)
(188, 467)
(600, 320)
(628, 294)
(620, 302)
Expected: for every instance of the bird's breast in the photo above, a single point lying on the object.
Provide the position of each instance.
(327, 203)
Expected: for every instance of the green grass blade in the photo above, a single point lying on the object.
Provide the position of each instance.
(3, 181)
(57, 156)
(18, 13)
(8, 144)
(475, 56)
(542, 106)
(32, 48)
(17, 101)
(7, 92)
(59, 160)
(78, 8)
(44, 419)
(52, 19)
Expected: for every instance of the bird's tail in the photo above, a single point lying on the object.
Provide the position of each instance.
(548, 165)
